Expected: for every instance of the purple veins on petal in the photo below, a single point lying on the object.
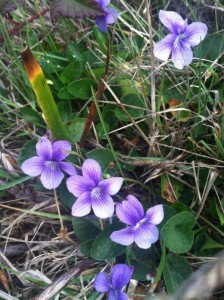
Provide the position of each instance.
(163, 49)
(49, 163)
(145, 235)
(172, 21)
(141, 228)
(77, 185)
(102, 283)
(51, 176)
(82, 205)
(99, 191)
(61, 150)
(121, 275)
(44, 149)
(112, 185)
(195, 33)
(67, 168)
(155, 214)
(124, 236)
(179, 41)
(92, 170)
(102, 203)
(33, 166)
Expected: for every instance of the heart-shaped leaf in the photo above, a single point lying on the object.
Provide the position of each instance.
(177, 232)
(75, 8)
(176, 270)
(103, 247)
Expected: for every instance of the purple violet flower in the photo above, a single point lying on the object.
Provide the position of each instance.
(119, 277)
(141, 228)
(180, 39)
(92, 192)
(49, 162)
(110, 16)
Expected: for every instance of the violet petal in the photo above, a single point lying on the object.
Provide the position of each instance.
(67, 168)
(182, 55)
(124, 236)
(51, 176)
(195, 33)
(78, 184)
(111, 15)
(33, 166)
(162, 49)
(145, 235)
(102, 283)
(155, 214)
(131, 211)
(121, 275)
(103, 3)
(117, 295)
(44, 149)
(82, 205)
(101, 23)
(92, 170)
(61, 150)
(102, 203)
(172, 21)
(112, 185)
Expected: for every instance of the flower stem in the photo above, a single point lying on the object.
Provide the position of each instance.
(58, 209)
(101, 224)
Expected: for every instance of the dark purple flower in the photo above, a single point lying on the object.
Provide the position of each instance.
(110, 16)
(180, 39)
(141, 228)
(92, 192)
(119, 277)
(49, 162)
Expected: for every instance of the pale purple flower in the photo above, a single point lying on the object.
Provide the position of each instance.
(110, 16)
(119, 277)
(141, 228)
(49, 162)
(92, 192)
(179, 41)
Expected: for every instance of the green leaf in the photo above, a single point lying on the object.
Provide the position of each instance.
(176, 270)
(141, 270)
(103, 247)
(179, 227)
(75, 128)
(67, 198)
(65, 110)
(75, 8)
(211, 47)
(135, 112)
(32, 116)
(64, 94)
(9, 5)
(81, 89)
(71, 72)
(85, 229)
(85, 247)
(100, 130)
(27, 151)
(105, 158)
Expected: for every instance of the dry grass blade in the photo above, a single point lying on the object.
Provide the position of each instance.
(63, 280)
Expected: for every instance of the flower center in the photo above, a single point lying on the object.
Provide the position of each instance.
(137, 225)
(96, 193)
(51, 164)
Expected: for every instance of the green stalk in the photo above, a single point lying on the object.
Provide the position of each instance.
(44, 96)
